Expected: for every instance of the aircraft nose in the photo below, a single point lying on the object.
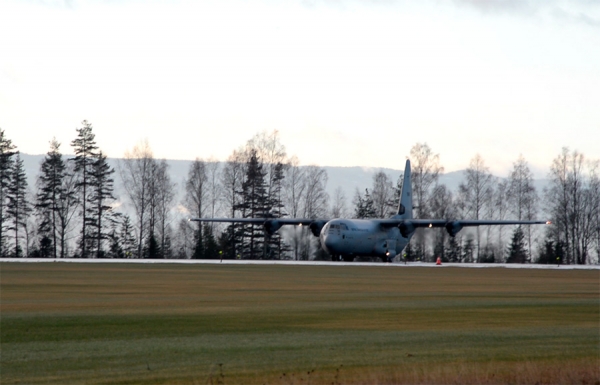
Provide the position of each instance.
(329, 243)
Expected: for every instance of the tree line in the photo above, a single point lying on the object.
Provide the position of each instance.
(74, 212)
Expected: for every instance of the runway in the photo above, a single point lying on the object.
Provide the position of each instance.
(301, 263)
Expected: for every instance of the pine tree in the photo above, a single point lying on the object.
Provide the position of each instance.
(85, 156)
(18, 206)
(50, 191)
(101, 195)
(517, 251)
(6, 161)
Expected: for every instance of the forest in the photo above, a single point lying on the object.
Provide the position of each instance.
(73, 211)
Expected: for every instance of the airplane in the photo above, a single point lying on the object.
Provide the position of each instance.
(383, 237)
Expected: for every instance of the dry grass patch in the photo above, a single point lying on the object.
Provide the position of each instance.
(164, 324)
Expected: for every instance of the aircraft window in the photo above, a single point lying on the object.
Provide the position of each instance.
(344, 227)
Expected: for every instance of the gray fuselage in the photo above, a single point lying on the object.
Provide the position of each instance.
(361, 237)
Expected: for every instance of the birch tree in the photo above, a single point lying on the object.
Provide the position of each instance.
(382, 194)
(136, 170)
(426, 170)
(476, 193)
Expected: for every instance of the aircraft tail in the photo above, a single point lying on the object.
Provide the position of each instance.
(405, 207)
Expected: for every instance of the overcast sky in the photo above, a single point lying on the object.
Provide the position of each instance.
(347, 83)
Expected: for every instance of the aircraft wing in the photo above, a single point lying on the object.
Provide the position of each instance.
(258, 221)
(407, 226)
(271, 225)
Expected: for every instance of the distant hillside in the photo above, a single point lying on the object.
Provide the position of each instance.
(348, 178)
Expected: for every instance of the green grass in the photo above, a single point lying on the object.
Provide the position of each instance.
(199, 324)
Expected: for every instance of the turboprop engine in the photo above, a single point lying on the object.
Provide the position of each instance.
(271, 226)
(453, 228)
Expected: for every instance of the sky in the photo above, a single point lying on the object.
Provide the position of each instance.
(346, 83)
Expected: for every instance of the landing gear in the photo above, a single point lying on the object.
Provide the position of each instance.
(348, 258)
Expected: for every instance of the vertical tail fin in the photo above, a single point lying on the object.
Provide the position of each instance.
(405, 207)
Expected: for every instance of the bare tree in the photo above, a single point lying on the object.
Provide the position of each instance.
(501, 210)
(270, 152)
(442, 206)
(339, 207)
(476, 193)
(213, 187)
(294, 187)
(382, 194)
(66, 207)
(521, 195)
(165, 194)
(571, 200)
(521, 192)
(196, 198)
(594, 204)
(136, 171)
(232, 179)
(294, 191)
(316, 197)
(426, 170)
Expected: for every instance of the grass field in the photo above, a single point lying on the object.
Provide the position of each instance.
(225, 324)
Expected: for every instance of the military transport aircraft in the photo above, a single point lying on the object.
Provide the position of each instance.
(384, 238)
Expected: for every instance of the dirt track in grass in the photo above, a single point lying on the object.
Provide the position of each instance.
(122, 323)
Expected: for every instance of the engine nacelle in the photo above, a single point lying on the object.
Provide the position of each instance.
(316, 227)
(272, 226)
(453, 228)
(406, 229)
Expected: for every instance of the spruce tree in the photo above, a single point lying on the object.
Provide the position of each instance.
(85, 156)
(276, 248)
(152, 249)
(517, 251)
(126, 237)
(198, 244)
(50, 191)
(364, 206)
(115, 249)
(18, 206)
(6, 161)
(253, 204)
(211, 249)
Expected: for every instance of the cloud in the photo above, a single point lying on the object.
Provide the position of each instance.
(499, 6)
(581, 12)
(576, 17)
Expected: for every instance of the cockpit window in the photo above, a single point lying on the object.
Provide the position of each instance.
(343, 227)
